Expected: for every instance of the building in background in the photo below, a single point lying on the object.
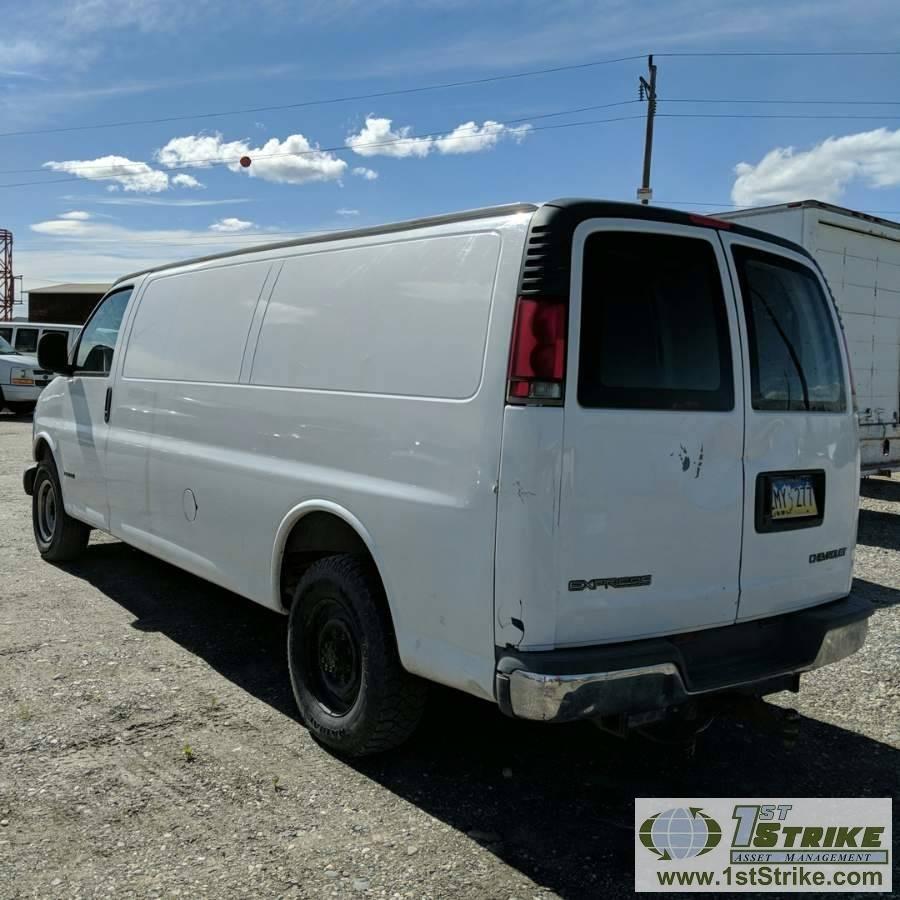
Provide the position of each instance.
(68, 304)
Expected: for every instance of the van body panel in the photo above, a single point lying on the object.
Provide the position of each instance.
(782, 570)
(417, 472)
(526, 589)
(652, 501)
(214, 307)
(438, 288)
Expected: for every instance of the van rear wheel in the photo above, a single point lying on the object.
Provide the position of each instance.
(354, 695)
(58, 536)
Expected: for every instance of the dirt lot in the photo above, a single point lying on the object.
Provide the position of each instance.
(149, 747)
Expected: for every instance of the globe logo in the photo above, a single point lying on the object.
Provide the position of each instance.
(680, 833)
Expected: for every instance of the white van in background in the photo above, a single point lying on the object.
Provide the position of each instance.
(21, 380)
(25, 336)
(581, 459)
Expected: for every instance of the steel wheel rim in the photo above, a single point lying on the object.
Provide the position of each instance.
(47, 511)
(333, 658)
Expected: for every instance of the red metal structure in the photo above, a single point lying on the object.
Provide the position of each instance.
(7, 289)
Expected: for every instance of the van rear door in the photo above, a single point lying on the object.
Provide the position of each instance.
(651, 502)
(801, 482)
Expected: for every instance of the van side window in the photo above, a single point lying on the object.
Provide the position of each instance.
(654, 327)
(98, 338)
(795, 360)
(27, 340)
(6, 334)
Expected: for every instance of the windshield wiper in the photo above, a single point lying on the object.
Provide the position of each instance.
(795, 359)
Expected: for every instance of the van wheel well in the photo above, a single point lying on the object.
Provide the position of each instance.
(317, 535)
(42, 451)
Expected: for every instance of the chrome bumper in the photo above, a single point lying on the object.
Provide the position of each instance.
(553, 697)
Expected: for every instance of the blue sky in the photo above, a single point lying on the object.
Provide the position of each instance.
(110, 200)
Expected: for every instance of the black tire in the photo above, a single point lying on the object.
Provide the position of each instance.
(58, 536)
(353, 694)
(23, 408)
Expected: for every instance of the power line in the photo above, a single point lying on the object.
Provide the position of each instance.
(702, 53)
(776, 102)
(342, 148)
(799, 116)
(409, 138)
(447, 85)
(327, 101)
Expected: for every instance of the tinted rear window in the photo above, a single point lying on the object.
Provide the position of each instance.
(654, 329)
(795, 360)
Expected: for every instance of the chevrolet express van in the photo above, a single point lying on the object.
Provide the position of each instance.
(584, 460)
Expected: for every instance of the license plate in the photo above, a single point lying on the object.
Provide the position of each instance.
(793, 497)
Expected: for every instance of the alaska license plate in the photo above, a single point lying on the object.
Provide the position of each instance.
(792, 497)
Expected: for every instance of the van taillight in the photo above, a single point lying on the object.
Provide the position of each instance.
(537, 358)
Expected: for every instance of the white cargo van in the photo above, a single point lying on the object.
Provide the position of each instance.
(25, 336)
(581, 459)
(860, 258)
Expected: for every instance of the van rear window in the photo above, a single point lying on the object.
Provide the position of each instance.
(27, 340)
(795, 360)
(654, 328)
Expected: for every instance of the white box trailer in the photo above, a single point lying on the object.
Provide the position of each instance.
(860, 257)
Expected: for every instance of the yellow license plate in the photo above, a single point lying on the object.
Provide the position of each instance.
(793, 498)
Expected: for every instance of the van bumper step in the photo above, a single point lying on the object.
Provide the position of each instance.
(758, 657)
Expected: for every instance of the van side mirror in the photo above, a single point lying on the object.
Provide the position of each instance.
(53, 354)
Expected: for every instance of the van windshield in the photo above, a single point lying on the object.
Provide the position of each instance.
(795, 360)
(7, 348)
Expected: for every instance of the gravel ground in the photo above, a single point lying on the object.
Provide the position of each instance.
(149, 747)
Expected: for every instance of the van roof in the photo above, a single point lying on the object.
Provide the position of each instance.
(564, 213)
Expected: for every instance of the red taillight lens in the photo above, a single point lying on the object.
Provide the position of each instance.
(710, 222)
(537, 359)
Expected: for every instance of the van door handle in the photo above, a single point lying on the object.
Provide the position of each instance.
(107, 405)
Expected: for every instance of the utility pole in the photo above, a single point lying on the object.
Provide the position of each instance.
(647, 91)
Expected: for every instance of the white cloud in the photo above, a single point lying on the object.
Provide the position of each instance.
(347, 212)
(21, 52)
(291, 161)
(124, 172)
(231, 225)
(823, 172)
(363, 172)
(187, 181)
(377, 138)
(77, 215)
(470, 138)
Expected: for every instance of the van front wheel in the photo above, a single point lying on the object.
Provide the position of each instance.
(58, 536)
(354, 695)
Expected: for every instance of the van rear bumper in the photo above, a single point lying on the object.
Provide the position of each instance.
(757, 657)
